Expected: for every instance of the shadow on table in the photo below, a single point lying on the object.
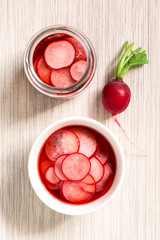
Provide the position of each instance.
(21, 209)
(100, 114)
(21, 101)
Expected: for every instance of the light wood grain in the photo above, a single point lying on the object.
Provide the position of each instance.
(135, 212)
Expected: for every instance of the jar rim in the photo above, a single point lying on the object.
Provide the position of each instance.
(37, 38)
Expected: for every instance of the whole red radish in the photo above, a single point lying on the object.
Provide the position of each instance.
(116, 94)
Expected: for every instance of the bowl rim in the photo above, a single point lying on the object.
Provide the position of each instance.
(56, 204)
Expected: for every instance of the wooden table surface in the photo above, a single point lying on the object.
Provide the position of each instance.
(134, 214)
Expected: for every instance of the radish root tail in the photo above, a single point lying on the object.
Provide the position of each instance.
(119, 125)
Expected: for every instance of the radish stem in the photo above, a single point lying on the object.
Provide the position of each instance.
(121, 55)
(123, 59)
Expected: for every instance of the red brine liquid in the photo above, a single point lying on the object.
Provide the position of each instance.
(60, 60)
(77, 165)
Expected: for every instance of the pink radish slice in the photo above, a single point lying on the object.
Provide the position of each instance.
(61, 78)
(106, 180)
(97, 170)
(51, 177)
(78, 69)
(59, 54)
(53, 186)
(76, 166)
(60, 143)
(88, 183)
(58, 168)
(88, 143)
(73, 191)
(88, 180)
(45, 165)
(43, 71)
(102, 152)
(80, 52)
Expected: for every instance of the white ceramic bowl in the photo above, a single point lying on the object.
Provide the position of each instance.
(54, 203)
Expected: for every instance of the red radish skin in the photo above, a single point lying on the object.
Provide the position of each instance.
(97, 170)
(61, 78)
(80, 52)
(78, 69)
(58, 167)
(50, 176)
(53, 186)
(106, 180)
(68, 143)
(76, 166)
(116, 96)
(59, 54)
(88, 143)
(43, 71)
(45, 165)
(74, 192)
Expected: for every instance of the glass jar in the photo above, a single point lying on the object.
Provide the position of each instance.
(51, 90)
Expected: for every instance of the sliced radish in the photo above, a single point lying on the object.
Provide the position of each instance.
(88, 183)
(53, 186)
(59, 54)
(76, 166)
(78, 69)
(43, 71)
(50, 176)
(88, 180)
(80, 52)
(61, 78)
(74, 192)
(102, 152)
(88, 143)
(58, 167)
(106, 180)
(97, 170)
(60, 143)
(45, 165)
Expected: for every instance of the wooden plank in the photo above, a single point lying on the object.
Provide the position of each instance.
(135, 212)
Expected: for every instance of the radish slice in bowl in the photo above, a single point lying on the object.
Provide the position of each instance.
(77, 191)
(88, 143)
(58, 167)
(76, 166)
(50, 176)
(97, 169)
(68, 143)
